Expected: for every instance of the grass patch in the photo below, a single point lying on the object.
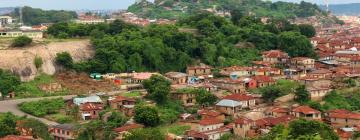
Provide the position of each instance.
(60, 118)
(31, 89)
(132, 94)
(43, 107)
(175, 129)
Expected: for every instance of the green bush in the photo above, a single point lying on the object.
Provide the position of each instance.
(43, 107)
(64, 59)
(21, 41)
(38, 61)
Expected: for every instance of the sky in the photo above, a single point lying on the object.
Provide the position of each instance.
(104, 4)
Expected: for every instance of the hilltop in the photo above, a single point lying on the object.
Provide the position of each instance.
(172, 9)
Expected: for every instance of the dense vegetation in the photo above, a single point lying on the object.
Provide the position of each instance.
(43, 107)
(8, 82)
(214, 40)
(300, 130)
(35, 16)
(21, 41)
(8, 126)
(172, 9)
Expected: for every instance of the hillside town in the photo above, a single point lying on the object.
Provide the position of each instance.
(133, 96)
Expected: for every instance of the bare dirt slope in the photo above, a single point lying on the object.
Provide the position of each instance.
(21, 60)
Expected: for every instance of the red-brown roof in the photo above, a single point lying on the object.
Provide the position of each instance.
(195, 134)
(343, 114)
(243, 120)
(91, 106)
(210, 121)
(128, 127)
(239, 97)
(275, 121)
(211, 113)
(275, 54)
(305, 110)
(263, 78)
(280, 110)
(300, 58)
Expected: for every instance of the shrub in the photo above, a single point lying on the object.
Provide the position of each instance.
(64, 59)
(38, 61)
(21, 41)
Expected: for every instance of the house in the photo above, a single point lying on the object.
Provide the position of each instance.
(89, 99)
(187, 98)
(89, 19)
(90, 111)
(263, 81)
(355, 62)
(209, 129)
(306, 112)
(270, 122)
(235, 103)
(208, 114)
(320, 74)
(5, 20)
(177, 77)
(278, 112)
(275, 57)
(239, 71)
(199, 70)
(35, 34)
(242, 126)
(123, 104)
(63, 132)
(232, 85)
(303, 63)
(124, 130)
(318, 93)
(342, 118)
(138, 78)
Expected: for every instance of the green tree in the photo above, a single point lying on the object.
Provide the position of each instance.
(270, 93)
(302, 95)
(64, 59)
(21, 41)
(307, 30)
(145, 134)
(116, 119)
(296, 44)
(38, 62)
(39, 129)
(147, 115)
(302, 127)
(158, 88)
(8, 82)
(204, 97)
(7, 125)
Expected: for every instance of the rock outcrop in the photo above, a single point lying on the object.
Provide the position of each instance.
(21, 60)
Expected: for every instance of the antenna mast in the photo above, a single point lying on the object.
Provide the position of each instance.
(327, 5)
(21, 15)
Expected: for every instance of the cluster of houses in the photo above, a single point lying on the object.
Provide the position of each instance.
(135, 19)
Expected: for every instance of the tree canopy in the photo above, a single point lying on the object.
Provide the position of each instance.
(8, 82)
(35, 16)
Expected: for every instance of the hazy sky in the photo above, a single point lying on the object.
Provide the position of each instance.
(102, 4)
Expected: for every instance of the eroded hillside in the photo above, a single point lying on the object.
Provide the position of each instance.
(21, 60)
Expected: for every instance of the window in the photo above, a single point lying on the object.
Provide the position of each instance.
(67, 133)
(94, 112)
